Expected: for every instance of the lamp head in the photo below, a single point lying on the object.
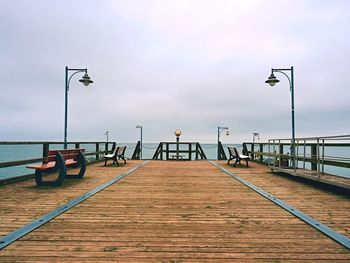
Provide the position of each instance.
(177, 132)
(256, 134)
(86, 80)
(227, 132)
(138, 126)
(272, 80)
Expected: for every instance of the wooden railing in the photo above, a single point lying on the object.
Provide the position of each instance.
(221, 152)
(137, 152)
(179, 151)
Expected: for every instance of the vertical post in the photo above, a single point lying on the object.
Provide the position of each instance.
(141, 145)
(190, 151)
(166, 151)
(220, 129)
(245, 150)
(252, 151)
(261, 151)
(293, 118)
(65, 107)
(77, 145)
(314, 157)
(177, 147)
(318, 157)
(45, 152)
(252, 147)
(218, 143)
(97, 151)
(280, 154)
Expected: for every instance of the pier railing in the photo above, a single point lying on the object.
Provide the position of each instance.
(22, 153)
(318, 155)
(179, 151)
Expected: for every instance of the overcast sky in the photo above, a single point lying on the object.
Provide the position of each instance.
(173, 64)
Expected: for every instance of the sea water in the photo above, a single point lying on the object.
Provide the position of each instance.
(32, 151)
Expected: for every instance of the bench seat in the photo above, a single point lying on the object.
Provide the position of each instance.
(46, 166)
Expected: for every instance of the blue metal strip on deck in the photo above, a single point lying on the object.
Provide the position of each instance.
(20, 232)
(341, 239)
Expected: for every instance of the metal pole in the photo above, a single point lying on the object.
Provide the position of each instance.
(66, 108)
(218, 142)
(107, 132)
(293, 118)
(141, 144)
(177, 147)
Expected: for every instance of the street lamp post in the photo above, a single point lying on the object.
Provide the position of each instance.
(177, 134)
(107, 132)
(85, 80)
(256, 135)
(220, 129)
(272, 80)
(140, 127)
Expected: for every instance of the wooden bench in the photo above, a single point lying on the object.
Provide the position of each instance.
(234, 154)
(118, 153)
(60, 160)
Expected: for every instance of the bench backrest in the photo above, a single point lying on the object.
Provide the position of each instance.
(121, 150)
(232, 151)
(66, 154)
(237, 153)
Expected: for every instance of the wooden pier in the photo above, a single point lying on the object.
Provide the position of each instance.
(173, 211)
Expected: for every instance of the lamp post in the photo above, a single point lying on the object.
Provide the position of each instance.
(85, 80)
(177, 134)
(220, 129)
(107, 132)
(272, 80)
(256, 135)
(140, 127)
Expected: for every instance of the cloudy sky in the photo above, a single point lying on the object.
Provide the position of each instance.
(168, 64)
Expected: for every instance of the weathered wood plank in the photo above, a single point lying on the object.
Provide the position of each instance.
(180, 212)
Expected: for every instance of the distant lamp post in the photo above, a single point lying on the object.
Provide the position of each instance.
(177, 134)
(221, 129)
(140, 127)
(85, 80)
(256, 135)
(272, 80)
(107, 132)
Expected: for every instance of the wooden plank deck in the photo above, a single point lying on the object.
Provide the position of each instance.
(174, 212)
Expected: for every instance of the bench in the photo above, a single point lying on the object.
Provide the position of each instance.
(234, 154)
(118, 153)
(60, 160)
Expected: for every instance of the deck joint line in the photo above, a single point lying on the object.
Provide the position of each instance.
(36, 223)
(341, 239)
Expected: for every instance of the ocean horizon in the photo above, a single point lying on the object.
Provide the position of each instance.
(31, 151)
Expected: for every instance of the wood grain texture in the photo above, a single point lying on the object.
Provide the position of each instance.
(177, 212)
